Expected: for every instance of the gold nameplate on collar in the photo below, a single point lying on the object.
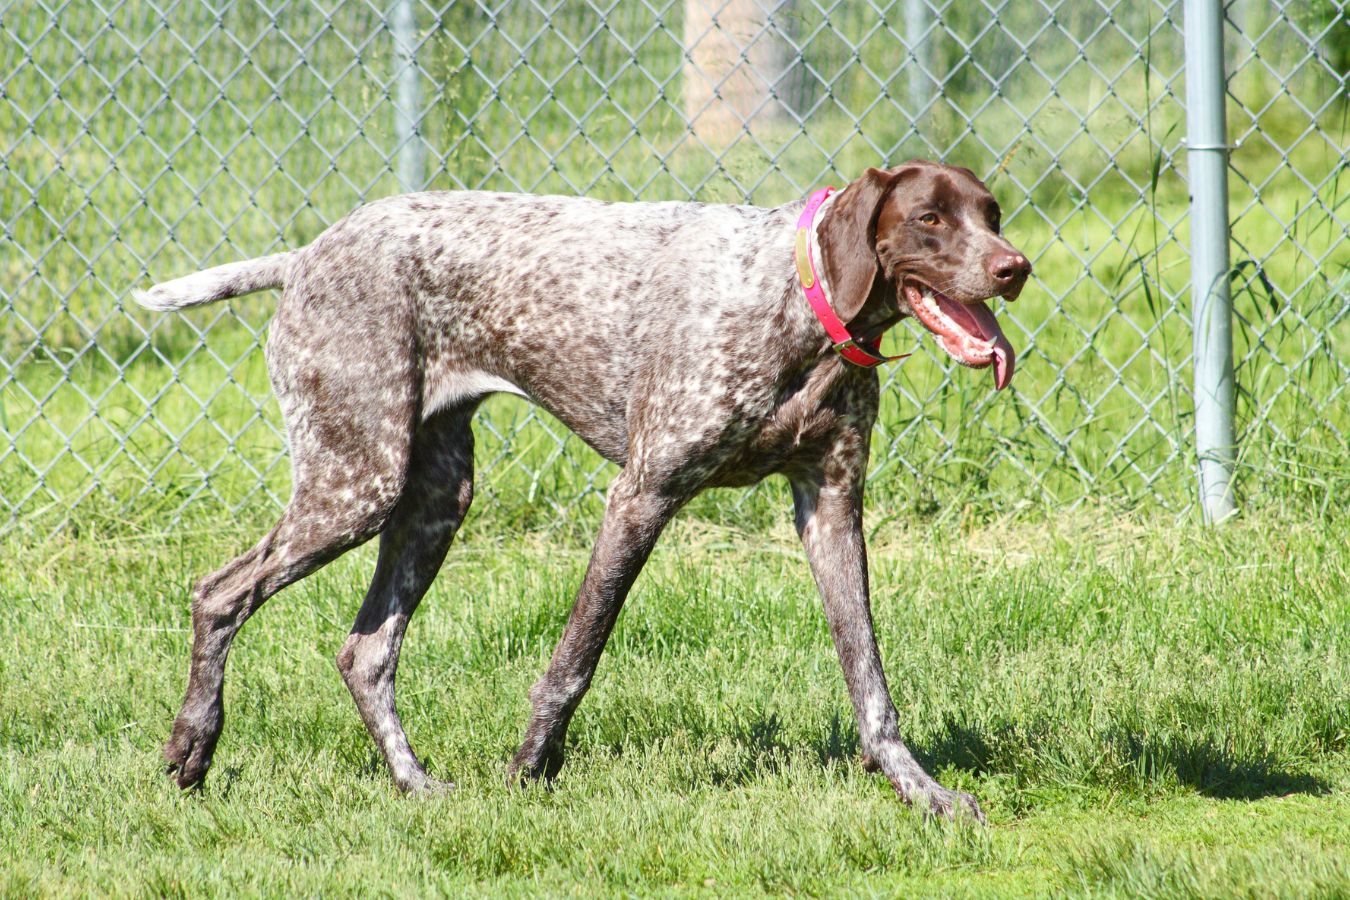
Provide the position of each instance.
(804, 273)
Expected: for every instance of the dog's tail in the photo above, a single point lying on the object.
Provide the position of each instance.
(219, 283)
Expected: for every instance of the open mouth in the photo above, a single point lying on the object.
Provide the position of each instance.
(968, 331)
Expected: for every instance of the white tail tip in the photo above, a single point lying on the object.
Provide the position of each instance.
(150, 301)
(218, 283)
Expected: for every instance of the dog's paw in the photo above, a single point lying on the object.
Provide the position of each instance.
(189, 750)
(926, 795)
(953, 805)
(428, 787)
(528, 767)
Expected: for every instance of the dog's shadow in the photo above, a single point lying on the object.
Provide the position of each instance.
(1199, 763)
(1210, 769)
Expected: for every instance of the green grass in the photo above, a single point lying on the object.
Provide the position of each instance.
(1144, 708)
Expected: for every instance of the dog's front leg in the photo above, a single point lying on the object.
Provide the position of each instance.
(634, 517)
(829, 520)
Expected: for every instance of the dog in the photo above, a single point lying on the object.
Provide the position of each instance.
(692, 345)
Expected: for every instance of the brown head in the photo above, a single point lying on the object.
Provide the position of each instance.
(925, 237)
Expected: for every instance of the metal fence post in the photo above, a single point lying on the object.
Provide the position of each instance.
(411, 152)
(917, 19)
(1211, 304)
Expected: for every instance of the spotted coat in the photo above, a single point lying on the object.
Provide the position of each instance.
(671, 337)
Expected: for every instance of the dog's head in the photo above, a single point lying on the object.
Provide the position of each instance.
(927, 235)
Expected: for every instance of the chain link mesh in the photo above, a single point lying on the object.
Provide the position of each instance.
(145, 139)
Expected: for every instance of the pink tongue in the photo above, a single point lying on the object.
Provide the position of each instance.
(979, 321)
(1004, 363)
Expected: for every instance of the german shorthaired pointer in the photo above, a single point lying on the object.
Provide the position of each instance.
(693, 345)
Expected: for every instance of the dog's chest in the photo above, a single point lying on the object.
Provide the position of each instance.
(799, 425)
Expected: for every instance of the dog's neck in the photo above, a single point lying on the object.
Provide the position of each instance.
(880, 311)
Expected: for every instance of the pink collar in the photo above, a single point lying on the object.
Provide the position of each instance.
(858, 352)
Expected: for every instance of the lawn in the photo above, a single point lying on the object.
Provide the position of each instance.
(1143, 706)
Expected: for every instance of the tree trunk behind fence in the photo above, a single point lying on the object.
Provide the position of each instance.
(734, 61)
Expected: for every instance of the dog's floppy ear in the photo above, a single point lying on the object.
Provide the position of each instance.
(848, 241)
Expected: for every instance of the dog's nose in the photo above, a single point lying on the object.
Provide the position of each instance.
(1009, 268)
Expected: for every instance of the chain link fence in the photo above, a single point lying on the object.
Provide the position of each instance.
(145, 139)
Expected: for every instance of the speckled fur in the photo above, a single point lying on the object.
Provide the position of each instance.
(671, 337)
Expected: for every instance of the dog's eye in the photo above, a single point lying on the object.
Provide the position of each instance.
(929, 218)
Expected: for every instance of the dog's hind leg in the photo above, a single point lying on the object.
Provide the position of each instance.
(350, 443)
(413, 545)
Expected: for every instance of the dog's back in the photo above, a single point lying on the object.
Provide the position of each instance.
(561, 299)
